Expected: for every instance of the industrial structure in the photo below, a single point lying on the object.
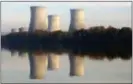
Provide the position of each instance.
(39, 18)
(77, 19)
(53, 25)
(77, 22)
(38, 63)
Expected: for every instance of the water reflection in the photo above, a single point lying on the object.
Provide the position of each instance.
(76, 65)
(38, 65)
(44, 57)
(53, 62)
(40, 62)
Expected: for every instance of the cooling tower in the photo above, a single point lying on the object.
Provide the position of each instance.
(38, 20)
(53, 25)
(21, 29)
(76, 65)
(38, 66)
(13, 30)
(77, 22)
(77, 19)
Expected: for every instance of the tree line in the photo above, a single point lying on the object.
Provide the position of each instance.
(110, 41)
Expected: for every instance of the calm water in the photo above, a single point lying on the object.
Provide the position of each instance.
(16, 69)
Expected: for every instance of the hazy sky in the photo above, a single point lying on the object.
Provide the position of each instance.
(117, 14)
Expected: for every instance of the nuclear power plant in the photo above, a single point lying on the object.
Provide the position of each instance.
(77, 23)
(53, 25)
(77, 19)
(39, 18)
(38, 21)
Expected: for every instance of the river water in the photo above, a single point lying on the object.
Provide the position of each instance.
(16, 69)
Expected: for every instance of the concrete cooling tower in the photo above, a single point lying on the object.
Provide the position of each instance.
(38, 20)
(76, 65)
(53, 25)
(38, 63)
(77, 19)
(77, 22)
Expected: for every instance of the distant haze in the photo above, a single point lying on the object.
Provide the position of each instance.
(117, 14)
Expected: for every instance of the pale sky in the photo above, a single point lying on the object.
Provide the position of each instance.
(117, 14)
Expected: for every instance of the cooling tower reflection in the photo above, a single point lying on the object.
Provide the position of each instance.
(53, 61)
(38, 65)
(76, 65)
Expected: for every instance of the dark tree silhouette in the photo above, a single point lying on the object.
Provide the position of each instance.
(110, 41)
